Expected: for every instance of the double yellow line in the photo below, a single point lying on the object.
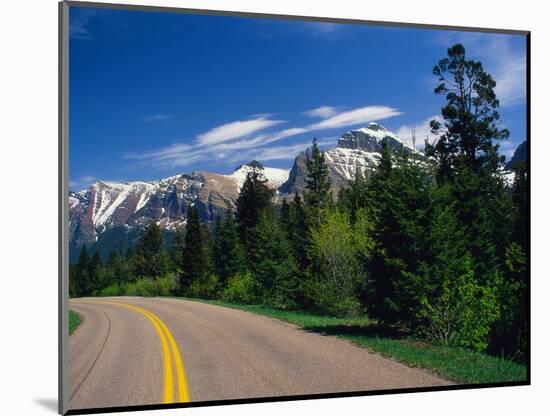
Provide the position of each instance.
(170, 352)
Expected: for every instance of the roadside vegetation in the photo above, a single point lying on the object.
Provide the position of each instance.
(424, 259)
(74, 321)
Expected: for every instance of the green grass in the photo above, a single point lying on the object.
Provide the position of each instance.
(74, 321)
(454, 364)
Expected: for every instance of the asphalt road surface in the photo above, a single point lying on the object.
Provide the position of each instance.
(139, 351)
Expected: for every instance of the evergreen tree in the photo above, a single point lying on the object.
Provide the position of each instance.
(229, 256)
(254, 197)
(471, 117)
(274, 266)
(400, 202)
(95, 273)
(81, 277)
(151, 261)
(297, 232)
(354, 197)
(194, 262)
(285, 216)
(466, 152)
(178, 247)
(316, 194)
(520, 200)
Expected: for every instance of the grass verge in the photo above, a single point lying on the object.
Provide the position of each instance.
(74, 321)
(455, 364)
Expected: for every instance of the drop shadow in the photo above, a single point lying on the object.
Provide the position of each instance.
(48, 404)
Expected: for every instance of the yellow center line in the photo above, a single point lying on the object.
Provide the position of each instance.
(167, 341)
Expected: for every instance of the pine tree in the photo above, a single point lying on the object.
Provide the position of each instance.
(151, 261)
(285, 216)
(316, 194)
(400, 202)
(178, 246)
(274, 266)
(470, 114)
(354, 197)
(466, 152)
(254, 197)
(298, 232)
(82, 281)
(229, 256)
(194, 262)
(520, 200)
(95, 273)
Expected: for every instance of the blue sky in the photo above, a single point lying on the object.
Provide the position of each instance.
(156, 94)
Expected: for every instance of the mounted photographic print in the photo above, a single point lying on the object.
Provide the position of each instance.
(264, 208)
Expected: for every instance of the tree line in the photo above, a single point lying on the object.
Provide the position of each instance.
(435, 245)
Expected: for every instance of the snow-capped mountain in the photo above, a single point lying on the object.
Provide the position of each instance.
(106, 205)
(358, 149)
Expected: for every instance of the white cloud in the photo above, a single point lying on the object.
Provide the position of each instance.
(322, 112)
(235, 140)
(79, 23)
(280, 152)
(82, 182)
(357, 116)
(422, 132)
(235, 130)
(156, 117)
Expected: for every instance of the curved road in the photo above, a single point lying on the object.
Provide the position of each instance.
(138, 351)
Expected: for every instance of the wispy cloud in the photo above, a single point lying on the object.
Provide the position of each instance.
(281, 152)
(79, 23)
(357, 116)
(501, 57)
(246, 139)
(235, 130)
(156, 117)
(82, 182)
(421, 130)
(322, 112)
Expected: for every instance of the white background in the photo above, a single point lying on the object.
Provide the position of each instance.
(28, 205)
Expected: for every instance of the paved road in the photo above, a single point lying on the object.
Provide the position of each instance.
(127, 352)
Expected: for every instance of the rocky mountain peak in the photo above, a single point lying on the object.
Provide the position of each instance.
(369, 138)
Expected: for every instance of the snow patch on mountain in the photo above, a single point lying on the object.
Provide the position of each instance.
(347, 161)
(275, 177)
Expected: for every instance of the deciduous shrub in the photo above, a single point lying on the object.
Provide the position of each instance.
(241, 288)
(464, 311)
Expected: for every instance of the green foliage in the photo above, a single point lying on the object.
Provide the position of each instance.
(229, 256)
(297, 232)
(206, 287)
(340, 249)
(254, 197)
(241, 288)
(274, 265)
(400, 197)
(520, 200)
(74, 321)
(464, 311)
(150, 259)
(163, 286)
(470, 114)
(316, 194)
(81, 277)
(355, 196)
(114, 289)
(195, 257)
